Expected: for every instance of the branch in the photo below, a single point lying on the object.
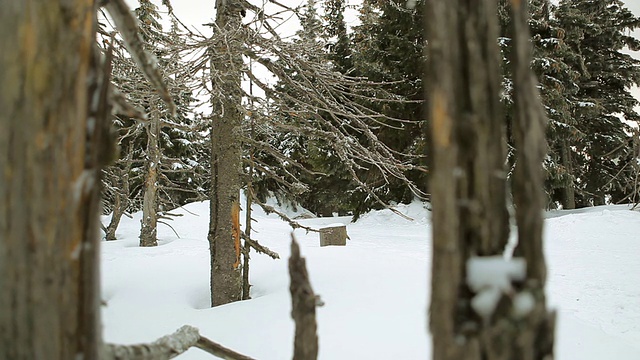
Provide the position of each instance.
(170, 346)
(260, 248)
(128, 28)
(270, 209)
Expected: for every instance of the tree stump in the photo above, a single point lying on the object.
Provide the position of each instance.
(334, 234)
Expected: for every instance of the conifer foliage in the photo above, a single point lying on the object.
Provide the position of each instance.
(603, 154)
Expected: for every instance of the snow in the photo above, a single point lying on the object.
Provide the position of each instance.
(494, 272)
(490, 277)
(332, 225)
(375, 289)
(484, 302)
(523, 304)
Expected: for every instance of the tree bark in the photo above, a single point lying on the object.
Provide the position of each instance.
(536, 337)
(468, 185)
(569, 191)
(303, 307)
(49, 180)
(121, 202)
(226, 154)
(149, 221)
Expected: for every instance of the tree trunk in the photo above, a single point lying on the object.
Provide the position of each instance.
(569, 191)
(226, 155)
(303, 307)
(246, 286)
(121, 203)
(468, 185)
(149, 221)
(49, 180)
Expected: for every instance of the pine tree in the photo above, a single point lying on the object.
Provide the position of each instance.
(558, 88)
(389, 48)
(336, 31)
(599, 30)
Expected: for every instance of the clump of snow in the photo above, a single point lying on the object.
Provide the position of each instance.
(490, 277)
(484, 302)
(523, 304)
(494, 272)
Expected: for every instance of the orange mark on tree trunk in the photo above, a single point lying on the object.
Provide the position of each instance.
(235, 230)
(441, 120)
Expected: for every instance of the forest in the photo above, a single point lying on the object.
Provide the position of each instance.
(446, 138)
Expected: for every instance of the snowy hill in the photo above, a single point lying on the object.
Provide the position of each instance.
(375, 289)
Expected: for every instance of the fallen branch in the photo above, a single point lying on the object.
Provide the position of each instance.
(170, 346)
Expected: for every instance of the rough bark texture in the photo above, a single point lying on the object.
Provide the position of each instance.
(303, 307)
(246, 286)
(149, 221)
(569, 190)
(49, 180)
(468, 185)
(335, 235)
(226, 154)
(537, 337)
(121, 202)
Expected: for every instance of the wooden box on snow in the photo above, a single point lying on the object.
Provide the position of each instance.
(334, 234)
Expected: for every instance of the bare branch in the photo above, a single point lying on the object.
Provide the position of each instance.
(128, 28)
(170, 346)
(260, 248)
(294, 224)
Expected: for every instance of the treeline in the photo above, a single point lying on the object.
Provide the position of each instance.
(580, 58)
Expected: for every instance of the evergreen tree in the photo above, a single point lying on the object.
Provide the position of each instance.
(599, 31)
(388, 48)
(552, 59)
(336, 31)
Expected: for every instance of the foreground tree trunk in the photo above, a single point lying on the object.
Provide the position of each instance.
(470, 219)
(49, 179)
(303, 307)
(226, 155)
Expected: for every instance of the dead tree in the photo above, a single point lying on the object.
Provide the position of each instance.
(226, 155)
(120, 195)
(468, 185)
(326, 104)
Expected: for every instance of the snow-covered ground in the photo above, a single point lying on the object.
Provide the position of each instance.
(375, 289)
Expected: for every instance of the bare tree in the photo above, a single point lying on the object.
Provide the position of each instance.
(163, 152)
(321, 103)
(470, 317)
(226, 155)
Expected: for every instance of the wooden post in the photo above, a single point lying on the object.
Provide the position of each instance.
(335, 234)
